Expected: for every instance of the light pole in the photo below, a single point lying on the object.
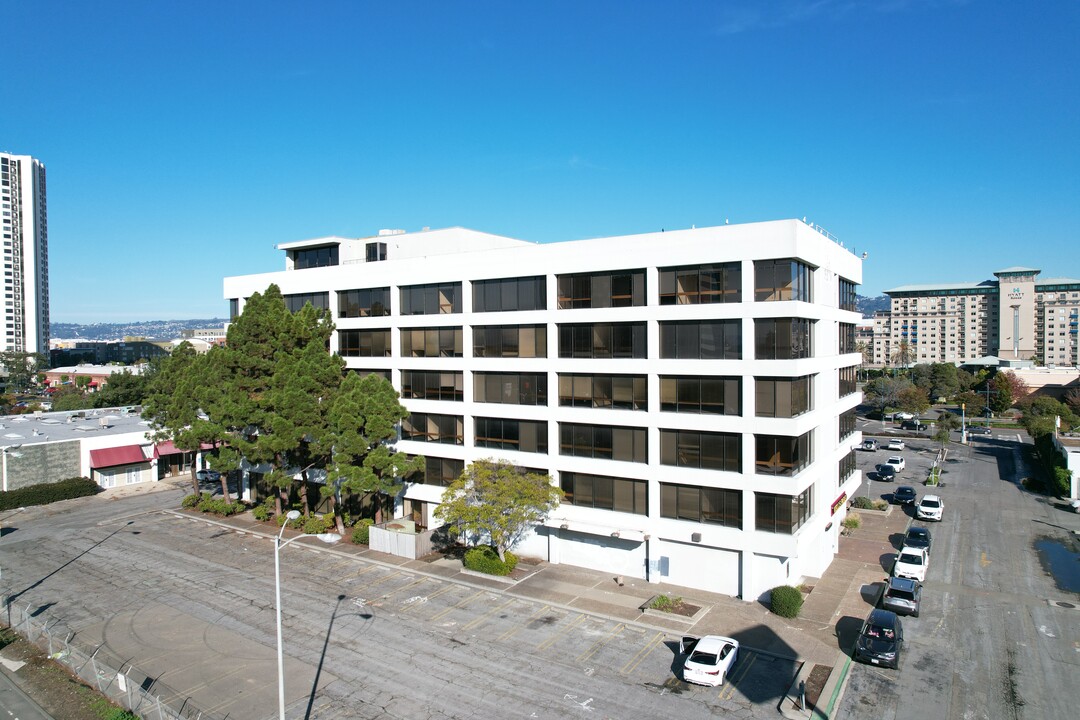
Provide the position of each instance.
(326, 538)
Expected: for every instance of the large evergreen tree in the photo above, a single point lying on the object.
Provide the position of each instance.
(361, 424)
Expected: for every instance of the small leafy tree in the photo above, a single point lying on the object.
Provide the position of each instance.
(946, 423)
(884, 392)
(1006, 390)
(497, 500)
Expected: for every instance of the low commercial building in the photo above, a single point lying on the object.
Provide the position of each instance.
(111, 446)
(693, 392)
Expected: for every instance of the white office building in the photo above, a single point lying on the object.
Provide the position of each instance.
(693, 392)
(25, 233)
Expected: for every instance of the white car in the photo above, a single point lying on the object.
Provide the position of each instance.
(708, 659)
(903, 416)
(911, 563)
(929, 508)
(897, 463)
(896, 444)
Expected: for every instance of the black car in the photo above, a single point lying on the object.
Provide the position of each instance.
(912, 425)
(880, 640)
(905, 495)
(978, 430)
(902, 596)
(918, 537)
(886, 473)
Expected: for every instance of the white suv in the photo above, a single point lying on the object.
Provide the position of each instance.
(911, 563)
(930, 508)
(897, 462)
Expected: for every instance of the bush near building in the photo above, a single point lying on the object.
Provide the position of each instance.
(46, 493)
(786, 601)
(485, 559)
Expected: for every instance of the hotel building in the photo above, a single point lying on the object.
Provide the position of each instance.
(692, 392)
(1015, 317)
(25, 234)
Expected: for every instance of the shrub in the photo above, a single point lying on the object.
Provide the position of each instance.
(190, 501)
(361, 532)
(1063, 481)
(880, 504)
(485, 559)
(317, 524)
(862, 503)
(852, 521)
(664, 602)
(263, 512)
(46, 493)
(294, 524)
(786, 601)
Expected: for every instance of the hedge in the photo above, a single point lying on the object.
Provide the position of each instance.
(786, 601)
(485, 559)
(46, 493)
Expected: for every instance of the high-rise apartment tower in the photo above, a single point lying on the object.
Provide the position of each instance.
(24, 227)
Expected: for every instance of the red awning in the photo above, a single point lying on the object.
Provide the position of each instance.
(111, 457)
(168, 448)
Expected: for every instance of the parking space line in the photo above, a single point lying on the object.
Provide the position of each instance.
(728, 692)
(490, 613)
(642, 654)
(381, 580)
(404, 588)
(441, 591)
(601, 642)
(458, 606)
(510, 633)
(556, 635)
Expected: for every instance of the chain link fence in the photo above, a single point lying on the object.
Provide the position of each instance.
(112, 676)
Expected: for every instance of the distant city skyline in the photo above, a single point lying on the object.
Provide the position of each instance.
(184, 142)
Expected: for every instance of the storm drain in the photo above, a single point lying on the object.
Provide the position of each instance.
(1061, 604)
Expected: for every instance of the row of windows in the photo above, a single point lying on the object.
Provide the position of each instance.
(775, 397)
(619, 288)
(774, 280)
(776, 455)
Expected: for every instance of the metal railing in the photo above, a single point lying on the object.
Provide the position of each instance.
(113, 677)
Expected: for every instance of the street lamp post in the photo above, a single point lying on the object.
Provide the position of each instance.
(326, 538)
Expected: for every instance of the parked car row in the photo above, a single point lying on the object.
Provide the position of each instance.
(881, 638)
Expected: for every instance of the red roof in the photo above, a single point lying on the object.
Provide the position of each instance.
(111, 457)
(167, 447)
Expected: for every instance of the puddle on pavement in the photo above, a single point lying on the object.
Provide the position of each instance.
(1060, 562)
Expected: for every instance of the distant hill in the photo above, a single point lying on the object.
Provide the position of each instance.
(868, 306)
(149, 329)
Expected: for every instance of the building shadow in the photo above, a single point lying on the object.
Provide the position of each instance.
(763, 671)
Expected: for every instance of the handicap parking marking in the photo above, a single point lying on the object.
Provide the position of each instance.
(410, 603)
(643, 653)
(560, 632)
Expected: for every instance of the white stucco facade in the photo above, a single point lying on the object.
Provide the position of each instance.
(781, 511)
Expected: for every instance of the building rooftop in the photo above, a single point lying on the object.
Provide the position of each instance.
(1017, 270)
(985, 284)
(41, 427)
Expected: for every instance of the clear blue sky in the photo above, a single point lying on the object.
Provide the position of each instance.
(183, 140)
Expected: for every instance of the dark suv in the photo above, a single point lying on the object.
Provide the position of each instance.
(881, 639)
(905, 495)
(902, 596)
(912, 425)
